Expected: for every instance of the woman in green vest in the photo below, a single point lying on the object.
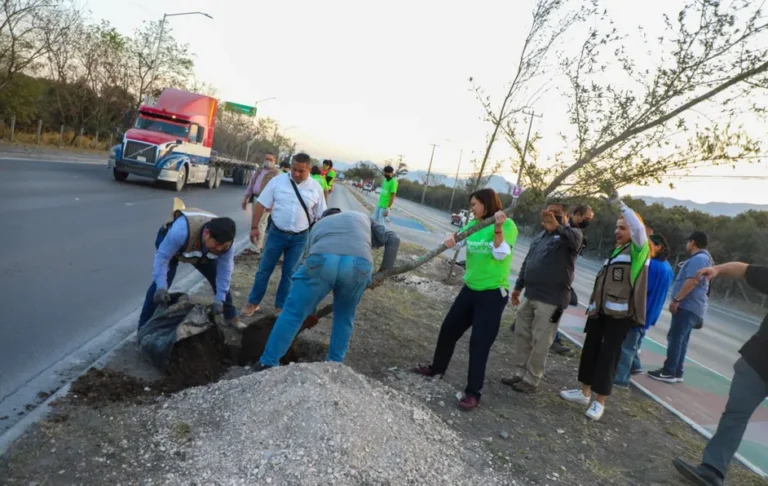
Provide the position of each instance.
(481, 301)
(617, 305)
(318, 176)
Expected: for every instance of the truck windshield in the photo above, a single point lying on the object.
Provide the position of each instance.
(179, 130)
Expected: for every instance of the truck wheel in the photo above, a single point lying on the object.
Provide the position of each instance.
(119, 176)
(237, 177)
(219, 176)
(210, 183)
(182, 179)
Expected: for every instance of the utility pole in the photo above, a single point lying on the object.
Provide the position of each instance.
(160, 40)
(532, 114)
(455, 181)
(429, 172)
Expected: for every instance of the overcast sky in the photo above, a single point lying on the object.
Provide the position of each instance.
(370, 81)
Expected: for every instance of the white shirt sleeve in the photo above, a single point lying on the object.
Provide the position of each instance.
(267, 196)
(320, 206)
(502, 251)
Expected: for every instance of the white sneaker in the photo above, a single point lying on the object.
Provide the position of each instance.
(595, 411)
(575, 396)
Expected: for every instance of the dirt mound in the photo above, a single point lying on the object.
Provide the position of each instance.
(309, 424)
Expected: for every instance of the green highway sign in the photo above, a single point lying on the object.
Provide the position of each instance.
(238, 108)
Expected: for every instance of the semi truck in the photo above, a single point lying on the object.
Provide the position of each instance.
(171, 141)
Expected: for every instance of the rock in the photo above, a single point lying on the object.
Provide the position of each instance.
(504, 435)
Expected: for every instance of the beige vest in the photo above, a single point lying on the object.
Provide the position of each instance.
(196, 221)
(614, 295)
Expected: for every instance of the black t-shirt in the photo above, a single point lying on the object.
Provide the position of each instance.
(755, 351)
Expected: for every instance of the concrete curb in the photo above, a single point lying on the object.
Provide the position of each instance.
(191, 283)
(698, 428)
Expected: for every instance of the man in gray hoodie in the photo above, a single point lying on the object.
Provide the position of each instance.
(546, 276)
(339, 259)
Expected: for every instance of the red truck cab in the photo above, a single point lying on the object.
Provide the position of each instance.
(170, 141)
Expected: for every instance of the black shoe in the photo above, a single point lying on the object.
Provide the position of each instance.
(525, 387)
(559, 348)
(702, 475)
(512, 381)
(660, 375)
(260, 367)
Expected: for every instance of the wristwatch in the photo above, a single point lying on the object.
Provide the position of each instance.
(676, 300)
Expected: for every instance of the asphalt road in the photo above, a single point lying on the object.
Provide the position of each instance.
(78, 255)
(716, 346)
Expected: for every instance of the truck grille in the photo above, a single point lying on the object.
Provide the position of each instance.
(134, 150)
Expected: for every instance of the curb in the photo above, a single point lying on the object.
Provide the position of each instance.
(8, 438)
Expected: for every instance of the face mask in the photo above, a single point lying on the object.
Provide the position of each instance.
(559, 219)
(584, 224)
(269, 164)
(388, 177)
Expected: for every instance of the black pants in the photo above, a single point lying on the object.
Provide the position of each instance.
(601, 352)
(480, 310)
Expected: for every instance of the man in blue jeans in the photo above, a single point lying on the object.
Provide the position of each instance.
(748, 389)
(200, 238)
(688, 307)
(297, 200)
(340, 259)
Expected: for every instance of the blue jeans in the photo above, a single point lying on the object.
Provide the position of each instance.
(207, 269)
(677, 341)
(629, 361)
(347, 277)
(277, 244)
(378, 214)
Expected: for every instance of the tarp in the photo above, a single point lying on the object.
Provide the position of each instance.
(182, 319)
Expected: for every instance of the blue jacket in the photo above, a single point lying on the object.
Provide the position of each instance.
(660, 276)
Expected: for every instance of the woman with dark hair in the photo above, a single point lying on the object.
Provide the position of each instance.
(660, 276)
(481, 301)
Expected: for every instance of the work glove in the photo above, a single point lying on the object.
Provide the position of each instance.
(161, 297)
(611, 195)
(218, 309)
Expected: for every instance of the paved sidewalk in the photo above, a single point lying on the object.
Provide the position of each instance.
(699, 401)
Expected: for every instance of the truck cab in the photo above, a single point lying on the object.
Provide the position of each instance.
(170, 141)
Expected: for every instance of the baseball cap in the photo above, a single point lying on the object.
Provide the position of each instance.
(700, 238)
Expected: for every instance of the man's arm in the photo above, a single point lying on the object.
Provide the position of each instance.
(636, 227)
(380, 236)
(173, 243)
(692, 280)
(251, 183)
(573, 237)
(321, 206)
(266, 200)
(224, 266)
(755, 275)
(394, 193)
(520, 282)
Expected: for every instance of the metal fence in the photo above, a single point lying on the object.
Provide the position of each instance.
(57, 136)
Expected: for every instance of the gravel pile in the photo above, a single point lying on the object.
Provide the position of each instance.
(309, 424)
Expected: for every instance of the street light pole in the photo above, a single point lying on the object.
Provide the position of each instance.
(429, 171)
(160, 38)
(455, 181)
(248, 145)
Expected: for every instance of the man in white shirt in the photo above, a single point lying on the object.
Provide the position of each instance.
(297, 201)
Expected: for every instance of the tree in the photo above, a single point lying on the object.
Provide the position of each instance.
(25, 28)
(363, 170)
(685, 113)
(549, 22)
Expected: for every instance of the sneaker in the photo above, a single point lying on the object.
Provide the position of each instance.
(260, 367)
(702, 475)
(512, 381)
(559, 348)
(660, 375)
(595, 411)
(249, 310)
(623, 386)
(468, 403)
(525, 387)
(638, 371)
(575, 396)
(679, 379)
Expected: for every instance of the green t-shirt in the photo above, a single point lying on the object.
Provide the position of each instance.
(483, 272)
(321, 180)
(638, 255)
(332, 175)
(388, 189)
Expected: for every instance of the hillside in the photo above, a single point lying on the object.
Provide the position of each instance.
(713, 208)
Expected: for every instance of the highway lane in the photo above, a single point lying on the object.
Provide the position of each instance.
(716, 346)
(77, 255)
